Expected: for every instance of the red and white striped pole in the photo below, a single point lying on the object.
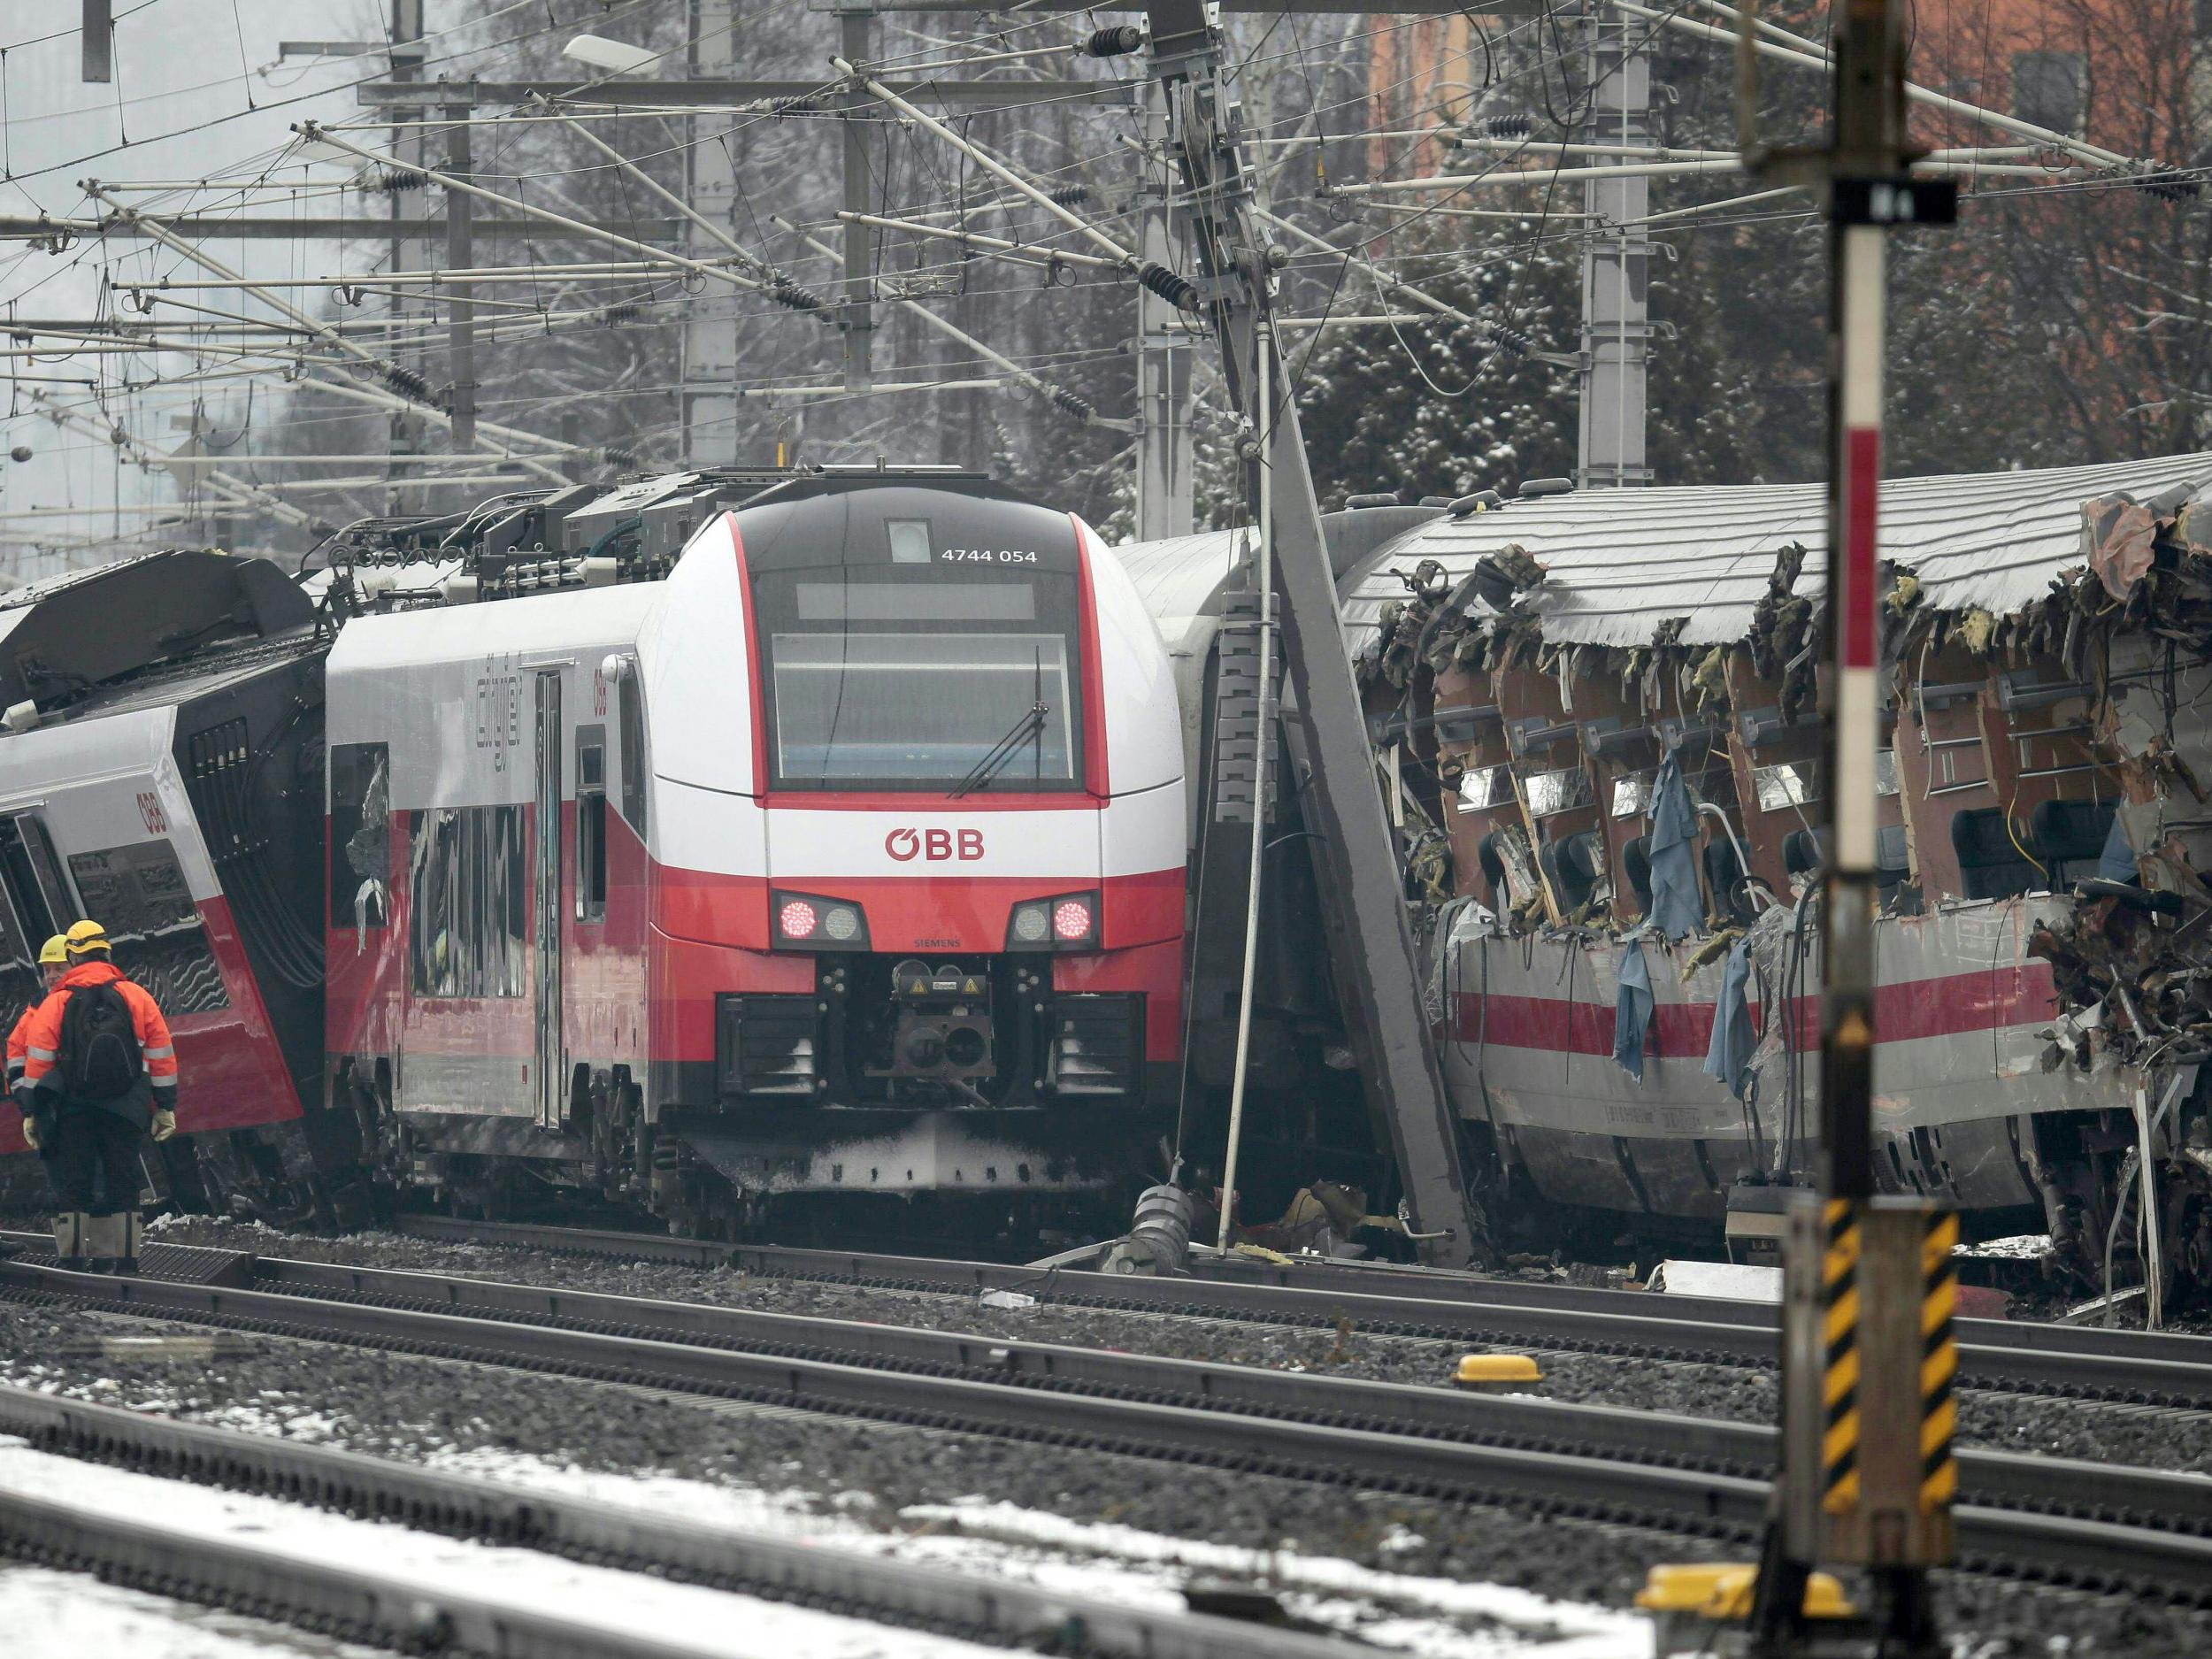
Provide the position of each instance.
(1868, 193)
(1854, 730)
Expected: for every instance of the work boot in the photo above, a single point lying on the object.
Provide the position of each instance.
(133, 1241)
(69, 1229)
(103, 1243)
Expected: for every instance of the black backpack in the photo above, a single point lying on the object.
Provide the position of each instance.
(99, 1057)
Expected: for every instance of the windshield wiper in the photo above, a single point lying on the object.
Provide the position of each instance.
(1027, 730)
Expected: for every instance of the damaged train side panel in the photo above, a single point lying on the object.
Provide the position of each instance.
(1600, 718)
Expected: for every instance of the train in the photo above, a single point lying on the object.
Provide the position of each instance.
(752, 850)
(723, 846)
(1596, 718)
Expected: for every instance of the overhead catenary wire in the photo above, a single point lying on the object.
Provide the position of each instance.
(1171, 287)
(1059, 396)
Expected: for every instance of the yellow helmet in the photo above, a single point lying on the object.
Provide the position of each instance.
(54, 951)
(85, 938)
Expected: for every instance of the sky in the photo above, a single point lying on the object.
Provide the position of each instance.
(199, 87)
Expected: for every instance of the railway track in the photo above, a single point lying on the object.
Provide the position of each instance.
(364, 1605)
(2129, 1367)
(2037, 1517)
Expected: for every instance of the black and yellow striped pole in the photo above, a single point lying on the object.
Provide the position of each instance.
(1839, 1356)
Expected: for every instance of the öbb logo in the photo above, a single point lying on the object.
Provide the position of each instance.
(936, 845)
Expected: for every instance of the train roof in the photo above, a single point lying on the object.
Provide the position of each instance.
(1185, 576)
(555, 620)
(1621, 563)
(62, 640)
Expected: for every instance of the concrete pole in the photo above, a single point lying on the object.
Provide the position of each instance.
(1165, 486)
(408, 144)
(855, 30)
(460, 253)
(1616, 260)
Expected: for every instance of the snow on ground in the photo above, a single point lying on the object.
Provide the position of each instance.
(1430, 1619)
(66, 1616)
(684, 1616)
(1434, 1618)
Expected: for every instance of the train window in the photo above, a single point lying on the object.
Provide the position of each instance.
(909, 540)
(922, 705)
(360, 835)
(20, 981)
(1481, 787)
(468, 883)
(591, 823)
(909, 602)
(137, 891)
(631, 699)
(962, 673)
(33, 878)
(1789, 784)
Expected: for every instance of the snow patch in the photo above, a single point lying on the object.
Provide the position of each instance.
(687, 1618)
(65, 1616)
(1319, 1586)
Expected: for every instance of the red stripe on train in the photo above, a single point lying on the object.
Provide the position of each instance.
(917, 913)
(1955, 1005)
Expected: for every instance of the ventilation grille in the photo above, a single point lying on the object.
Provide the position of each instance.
(766, 1045)
(1098, 1045)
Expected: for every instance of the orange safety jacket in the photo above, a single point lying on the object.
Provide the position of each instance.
(43, 1037)
(19, 1045)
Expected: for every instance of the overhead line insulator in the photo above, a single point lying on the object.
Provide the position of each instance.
(1113, 43)
(1176, 291)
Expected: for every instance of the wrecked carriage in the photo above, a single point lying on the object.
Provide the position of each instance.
(1598, 716)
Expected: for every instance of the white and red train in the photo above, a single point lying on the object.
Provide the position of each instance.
(712, 843)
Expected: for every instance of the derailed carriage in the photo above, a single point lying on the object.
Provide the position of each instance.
(1596, 721)
(1600, 709)
(715, 843)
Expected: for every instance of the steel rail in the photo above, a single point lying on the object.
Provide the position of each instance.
(1577, 1460)
(1233, 1440)
(2181, 1502)
(745, 1562)
(2136, 1367)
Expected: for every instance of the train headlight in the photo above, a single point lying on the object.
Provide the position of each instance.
(807, 921)
(1067, 921)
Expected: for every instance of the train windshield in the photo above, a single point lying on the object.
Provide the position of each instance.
(921, 679)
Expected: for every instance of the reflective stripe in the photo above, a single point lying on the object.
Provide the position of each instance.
(38, 1053)
(163, 1053)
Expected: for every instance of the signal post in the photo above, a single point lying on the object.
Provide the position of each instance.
(1867, 1480)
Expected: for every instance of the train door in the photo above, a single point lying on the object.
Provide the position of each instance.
(545, 867)
(34, 904)
(33, 875)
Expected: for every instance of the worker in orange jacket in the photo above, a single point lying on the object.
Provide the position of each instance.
(100, 1070)
(53, 962)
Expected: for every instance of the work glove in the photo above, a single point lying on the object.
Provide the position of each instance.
(165, 1125)
(30, 1133)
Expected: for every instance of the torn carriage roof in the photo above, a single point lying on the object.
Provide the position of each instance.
(1622, 563)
